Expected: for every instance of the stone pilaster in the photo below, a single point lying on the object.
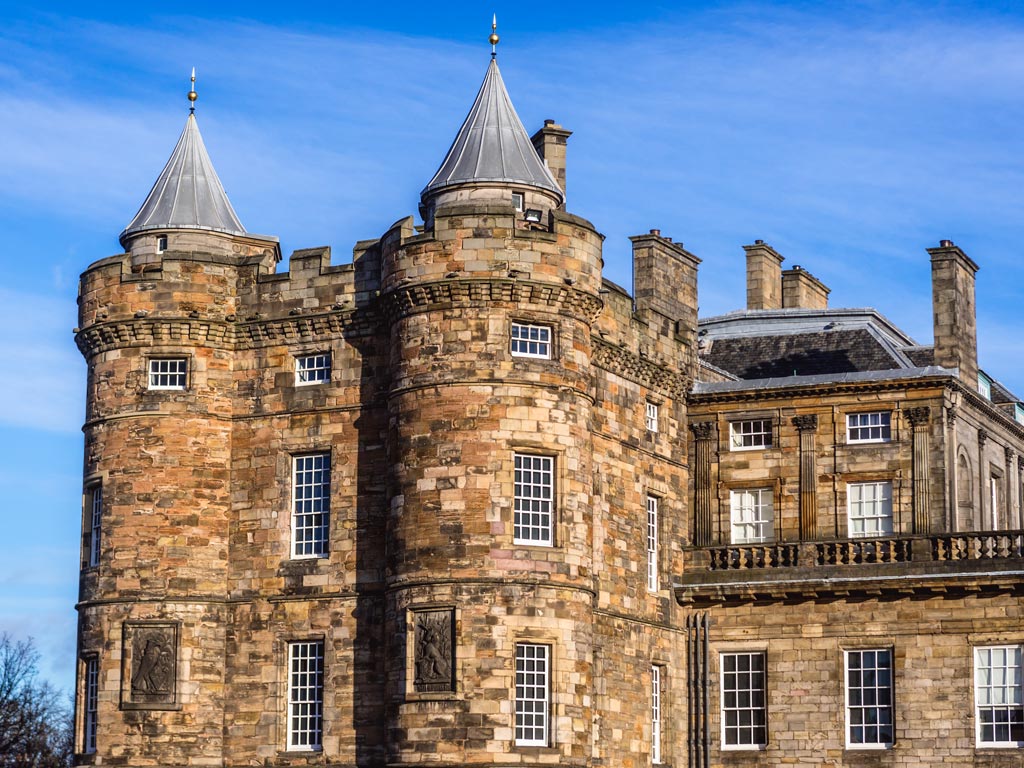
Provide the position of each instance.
(703, 528)
(920, 424)
(807, 426)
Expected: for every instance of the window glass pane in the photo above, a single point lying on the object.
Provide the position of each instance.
(753, 517)
(313, 369)
(746, 435)
(870, 509)
(531, 340)
(744, 716)
(532, 694)
(311, 504)
(999, 702)
(534, 499)
(869, 698)
(873, 427)
(168, 373)
(305, 695)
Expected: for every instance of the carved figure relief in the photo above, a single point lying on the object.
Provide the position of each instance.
(152, 664)
(434, 656)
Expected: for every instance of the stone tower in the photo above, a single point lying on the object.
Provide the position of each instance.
(418, 509)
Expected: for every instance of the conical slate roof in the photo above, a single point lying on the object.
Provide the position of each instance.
(188, 194)
(492, 145)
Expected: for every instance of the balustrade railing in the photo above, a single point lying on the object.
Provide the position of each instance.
(946, 547)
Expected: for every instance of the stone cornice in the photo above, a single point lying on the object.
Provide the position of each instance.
(814, 390)
(622, 362)
(408, 299)
(223, 334)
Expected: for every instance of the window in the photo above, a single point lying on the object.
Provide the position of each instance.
(870, 509)
(91, 697)
(984, 386)
(1018, 412)
(161, 244)
(532, 694)
(753, 518)
(311, 500)
(534, 499)
(869, 427)
(744, 710)
(652, 544)
(517, 201)
(750, 435)
(313, 369)
(167, 372)
(869, 709)
(94, 515)
(652, 417)
(655, 714)
(305, 695)
(531, 340)
(998, 704)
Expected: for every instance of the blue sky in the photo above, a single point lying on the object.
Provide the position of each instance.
(850, 136)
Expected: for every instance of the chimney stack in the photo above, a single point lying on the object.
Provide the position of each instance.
(802, 290)
(956, 335)
(764, 276)
(550, 143)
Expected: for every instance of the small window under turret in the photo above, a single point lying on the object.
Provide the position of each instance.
(161, 244)
(517, 201)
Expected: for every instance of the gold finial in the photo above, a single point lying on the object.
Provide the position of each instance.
(494, 35)
(192, 95)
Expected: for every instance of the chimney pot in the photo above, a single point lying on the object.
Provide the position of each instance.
(759, 242)
(656, 232)
(549, 122)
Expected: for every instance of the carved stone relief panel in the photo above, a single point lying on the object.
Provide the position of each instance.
(434, 651)
(150, 671)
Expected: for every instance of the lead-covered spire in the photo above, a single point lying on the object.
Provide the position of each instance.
(188, 193)
(492, 145)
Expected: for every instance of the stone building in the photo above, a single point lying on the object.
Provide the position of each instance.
(462, 501)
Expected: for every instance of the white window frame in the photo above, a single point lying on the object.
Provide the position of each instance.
(311, 505)
(531, 340)
(857, 424)
(1005, 683)
(518, 201)
(863, 683)
(168, 373)
(857, 509)
(94, 497)
(752, 509)
(651, 413)
(533, 499)
(90, 703)
(655, 714)
(653, 582)
(305, 696)
(161, 243)
(750, 435)
(744, 700)
(314, 368)
(533, 695)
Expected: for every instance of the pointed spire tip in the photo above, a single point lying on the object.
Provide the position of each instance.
(493, 39)
(192, 95)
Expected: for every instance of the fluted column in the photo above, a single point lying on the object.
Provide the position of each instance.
(920, 424)
(703, 527)
(807, 426)
(1012, 501)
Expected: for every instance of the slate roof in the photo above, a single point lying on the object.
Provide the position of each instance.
(492, 145)
(800, 354)
(188, 193)
(920, 355)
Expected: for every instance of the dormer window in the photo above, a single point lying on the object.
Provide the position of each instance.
(161, 244)
(984, 386)
(1018, 413)
(517, 201)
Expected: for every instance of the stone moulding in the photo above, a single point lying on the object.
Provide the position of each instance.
(407, 299)
(624, 363)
